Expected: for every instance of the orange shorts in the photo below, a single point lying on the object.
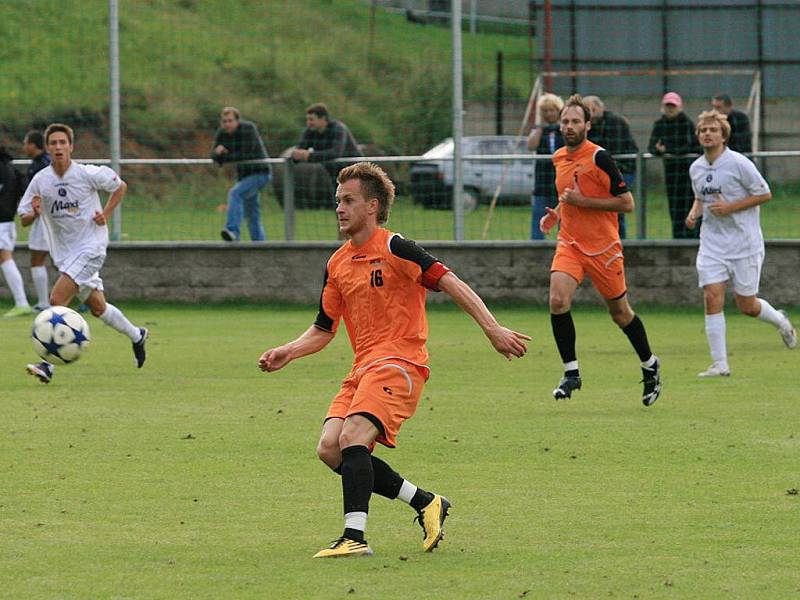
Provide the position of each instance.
(606, 270)
(389, 390)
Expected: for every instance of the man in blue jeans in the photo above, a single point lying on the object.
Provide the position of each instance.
(238, 140)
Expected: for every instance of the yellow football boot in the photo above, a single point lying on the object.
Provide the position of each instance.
(344, 547)
(431, 519)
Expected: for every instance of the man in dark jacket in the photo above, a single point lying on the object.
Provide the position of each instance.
(325, 139)
(612, 132)
(741, 138)
(238, 140)
(673, 134)
(12, 186)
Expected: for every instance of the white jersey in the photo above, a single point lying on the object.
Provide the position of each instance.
(734, 177)
(69, 204)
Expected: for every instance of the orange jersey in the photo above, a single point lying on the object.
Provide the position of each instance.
(591, 230)
(379, 290)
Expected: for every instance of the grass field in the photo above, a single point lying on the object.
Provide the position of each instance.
(196, 477)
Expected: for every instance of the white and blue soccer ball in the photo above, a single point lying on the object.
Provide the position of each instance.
(60, 335)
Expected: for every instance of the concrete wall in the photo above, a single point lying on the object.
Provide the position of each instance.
(658, 272)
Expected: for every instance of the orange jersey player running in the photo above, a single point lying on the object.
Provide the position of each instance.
(591, 193)
(376, 282)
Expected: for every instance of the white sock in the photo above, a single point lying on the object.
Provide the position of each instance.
(14, 281)
(770, 315)
(715, 332)
(39, 276)
(114, 318)
(649, 362)
(407, 491)
(356, 520)
(571, 366)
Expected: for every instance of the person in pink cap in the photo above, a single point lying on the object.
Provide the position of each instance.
(674, 138)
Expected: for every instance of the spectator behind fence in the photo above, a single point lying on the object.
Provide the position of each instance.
(741, 139)
(673, 134)
(324, 140)
(545, 138)
(238, 140)
(38, 244)
(612, 132)
(12, 186)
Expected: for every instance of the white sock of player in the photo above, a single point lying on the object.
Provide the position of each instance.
(571, 366)
(114, 318)
(14, 281)
(770, 315)
(407, 491)
(356, 520)
(715, 332)
(39, 276)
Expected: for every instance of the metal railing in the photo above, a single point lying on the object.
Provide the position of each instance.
(289, 182)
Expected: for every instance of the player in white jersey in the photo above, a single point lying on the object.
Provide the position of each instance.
(64, 197)
(728, 191)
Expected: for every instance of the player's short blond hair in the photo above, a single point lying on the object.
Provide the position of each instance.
(231, 110)
(375, 183)
(714, 115)
(549, 100)
(58, 127)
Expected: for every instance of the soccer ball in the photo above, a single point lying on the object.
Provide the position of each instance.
(60, 335)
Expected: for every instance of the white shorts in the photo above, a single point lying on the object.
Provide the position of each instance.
(8, 236)
(37, 240)
(745, 272)
(84, 270)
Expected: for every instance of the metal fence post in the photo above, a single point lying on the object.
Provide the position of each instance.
(288, 199)
(113, 101)
(641, 199)
(458, 121)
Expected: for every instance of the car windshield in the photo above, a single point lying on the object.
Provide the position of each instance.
(441, 150)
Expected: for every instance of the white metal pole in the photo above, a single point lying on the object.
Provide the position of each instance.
(113, 61)
(473, 16)
(458, 120)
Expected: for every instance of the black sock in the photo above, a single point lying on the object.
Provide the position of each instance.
(354, 534)
(421, 499)
(386, 482)
(564, 333)
(357, 479)
(638, 337)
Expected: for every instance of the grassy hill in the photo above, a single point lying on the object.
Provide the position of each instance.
(181, 61)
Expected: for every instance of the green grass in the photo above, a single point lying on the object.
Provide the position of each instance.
(181, 62)
(196, 476)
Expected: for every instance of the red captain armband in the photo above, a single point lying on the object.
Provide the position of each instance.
(432, 275)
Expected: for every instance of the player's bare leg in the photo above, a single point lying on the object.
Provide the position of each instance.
(753, 306)
(714, 303)
(432, 509)
(114, 318)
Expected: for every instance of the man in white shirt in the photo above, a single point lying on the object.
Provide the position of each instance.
(64, 196)
(728, 191)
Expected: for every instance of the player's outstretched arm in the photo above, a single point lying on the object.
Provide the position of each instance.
(313, 340)
(101, 218)
(507, 342)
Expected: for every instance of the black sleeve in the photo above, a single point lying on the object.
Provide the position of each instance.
(323, 321)
(604, 161)
(655, 137)
(629, 144)
(338, 144)
(410, 250)
(217, 158)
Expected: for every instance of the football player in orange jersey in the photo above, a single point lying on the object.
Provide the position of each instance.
(376, 283)
(591, 193)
